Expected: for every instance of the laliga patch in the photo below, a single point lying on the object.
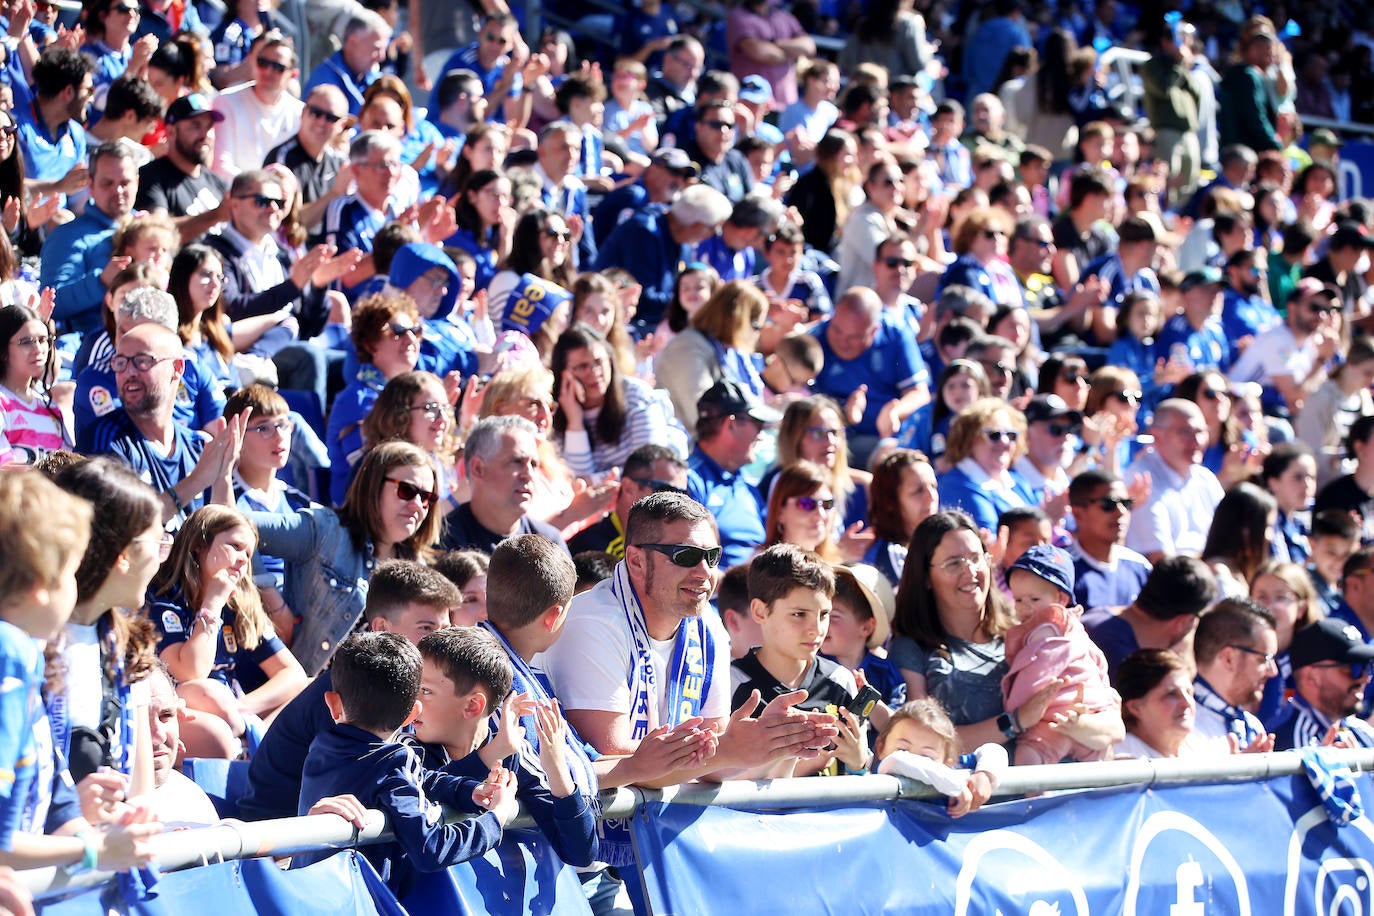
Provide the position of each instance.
(101, 401)
(171, 622)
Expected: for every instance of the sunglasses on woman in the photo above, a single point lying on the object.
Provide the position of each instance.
(1128, 397)
(407, 491)
(811, 503)
(1002, 435)
(432, 410)
(685, 555)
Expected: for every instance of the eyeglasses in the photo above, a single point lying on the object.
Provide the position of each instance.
(42, 340)
(266, 430)
(324, 114)
(407, 491)
(811, 503)
(685, 555)
(824, 433)
(657, 486)
(996, 436)
(1061, 429)
(432, 410)
(163, 540)
(405, 330)
(563, 235)
(1357, 671)
(206, 276)
(1323, 309)
(275, 66)
(1128, 397)
(387, 165)
(1267, 656)
(262, 201)
(719, 125)
(956, 565)
(142, 362)
(899, 262)
(9, 130)
(1213, 394)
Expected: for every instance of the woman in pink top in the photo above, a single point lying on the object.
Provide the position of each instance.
(31, 426)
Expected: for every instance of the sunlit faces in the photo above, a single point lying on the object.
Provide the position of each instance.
(1329, 554)
(1332, 690)
(400, 518)
(135, 568)
(532, 404)
(230, 554)
(397, 350)
(820, 442)
(1164, 716)
(163, 708)
(918, 739)
(114, 184)
(207, 284)
(807, 520)
(693, 289)
(1030, 593)
(383, 113)
(266, 443)
(429, 290)
(1297, 485)
(506, 480)
(555, 241)
(995, 447)
(959, 573)
(1284, 603)
(795, 625)
(1251, 666)
(846, 636)
(415, 621)
(597, 310)
(669, 591)
(27, 355)
(591, 367)
(441, 708)
(489, 199)
(850, 332)
(430, 417)
(474, 607)
(1097, 524)
(1022, 536)
(917, 494)
(960, 390)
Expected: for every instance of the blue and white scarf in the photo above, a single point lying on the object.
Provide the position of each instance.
(1240, 723)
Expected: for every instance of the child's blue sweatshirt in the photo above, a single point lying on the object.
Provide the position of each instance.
(390, 777)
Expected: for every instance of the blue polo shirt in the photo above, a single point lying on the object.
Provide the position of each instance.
(468, 59)
(729, 263)
(334, 72)
(73, 257)
(735, 502)
(116, 435)
(48, 156)
(1206, 348)
(1098, 585)
(644, 245)
(890, 368)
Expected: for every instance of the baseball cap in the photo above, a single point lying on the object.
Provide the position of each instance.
(1049, 563)
(1350, 235)
(727, 399)
(755, 90)
(188, 106)
(1308, 287)
(1329, 640)
(1050, 407)
(676, 160)
(1203, 276)
(1324, 136)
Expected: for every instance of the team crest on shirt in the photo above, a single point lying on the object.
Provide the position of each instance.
(101, 401)
(231, 645)
(171, 622)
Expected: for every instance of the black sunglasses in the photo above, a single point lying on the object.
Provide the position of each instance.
(899, 262)
(324, 114)
(275, 66)
(1128, 397)
(1213, 394)
(406, 491)
(1112, 503)
(685, 555)
(262, 201)
(1062, 429)
(563, 235)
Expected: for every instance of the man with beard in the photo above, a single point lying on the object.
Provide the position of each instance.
(1107, 573)
(1290, 359)
(1245, 312)
(1330, 670)
(176, 461)
(1235, 647)
(50, 130)
(181, 183)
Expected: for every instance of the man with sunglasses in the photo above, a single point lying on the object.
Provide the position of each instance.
(313, 156)
(1052, 432)
(180, 182)
(713, 148)
(1331, 668)
(1107, 573)
(649, 469)
(730, 422)
(1059, 318)
(497, 57)
(259, 114)
(1289, 360)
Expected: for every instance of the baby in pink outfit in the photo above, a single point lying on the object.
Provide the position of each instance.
(1050, 642)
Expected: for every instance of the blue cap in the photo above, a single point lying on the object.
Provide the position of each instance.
(1049, 563)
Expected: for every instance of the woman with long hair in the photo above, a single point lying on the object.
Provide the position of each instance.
(541, 245)
(980, 243)
(414, 407)
(871, 222)
(1232, 454)
(389, 513)
(1289, 472)
(961, 383)
(801, 511)
(1286, 589)
(485, 220)
(812, 429)
(1238, 541)
(217, 641)
(890, 34)
(596, 304)
(602, 414)
(484, 150)
(825, 193)
(903, 494)
(31, 424)
(719, 345)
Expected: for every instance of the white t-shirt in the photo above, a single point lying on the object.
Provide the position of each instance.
(1275, 353)
(590, 664)
(83, 676)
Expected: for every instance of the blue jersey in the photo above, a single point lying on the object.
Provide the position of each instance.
(1246, 316)
(737, 505)
(1205, 348)
(21, 676)
(116, 435)
(236, 666)
(890, 367)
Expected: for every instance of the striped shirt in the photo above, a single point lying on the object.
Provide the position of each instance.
(28, 429)
(646, 422)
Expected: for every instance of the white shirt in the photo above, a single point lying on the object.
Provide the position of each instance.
(251, 128)
(1180, 509)
(1275, 353)
(259, 259)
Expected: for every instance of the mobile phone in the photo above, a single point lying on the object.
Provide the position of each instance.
(864, 701)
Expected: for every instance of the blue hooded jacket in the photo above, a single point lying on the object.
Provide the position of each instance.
(443, 348)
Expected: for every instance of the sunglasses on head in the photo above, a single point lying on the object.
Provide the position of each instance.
(1002, 435)
(406, 491)
(811, 503)
(685, 555)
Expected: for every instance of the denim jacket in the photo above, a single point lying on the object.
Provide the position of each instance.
(326, 578)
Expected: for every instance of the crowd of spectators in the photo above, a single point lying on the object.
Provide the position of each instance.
(816, 388)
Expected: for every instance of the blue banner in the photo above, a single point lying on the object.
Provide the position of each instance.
(1246, 849)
